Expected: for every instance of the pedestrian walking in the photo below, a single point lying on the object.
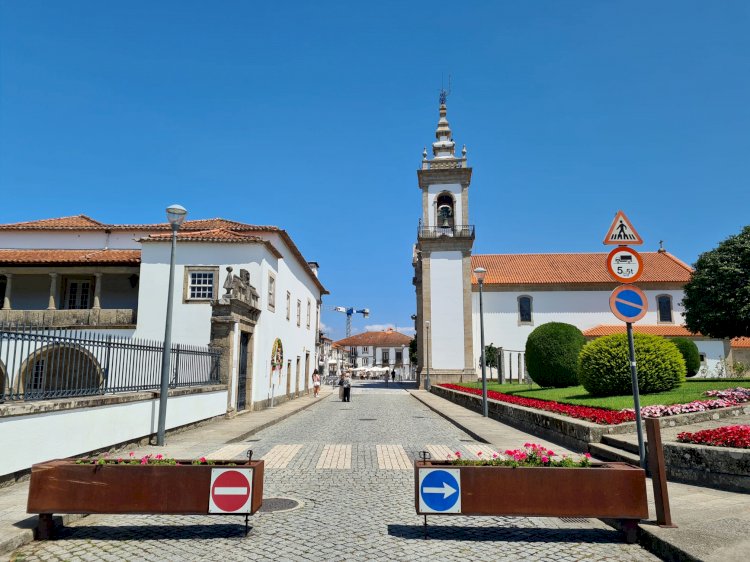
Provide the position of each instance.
(393, 375)
(341, 387)
(316, 383)
(347, 386)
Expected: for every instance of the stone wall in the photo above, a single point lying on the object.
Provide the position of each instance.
(112, 317)
(725, 468)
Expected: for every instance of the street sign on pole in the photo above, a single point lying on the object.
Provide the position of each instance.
(624, 265)
(628, 303)
(439, 490)
(622, 233)
(231, 490)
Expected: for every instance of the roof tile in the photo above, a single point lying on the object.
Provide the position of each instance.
(667, 330)
(74, 257)
(388, 338)
(547, 269)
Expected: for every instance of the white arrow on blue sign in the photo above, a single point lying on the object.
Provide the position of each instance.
(439, 490)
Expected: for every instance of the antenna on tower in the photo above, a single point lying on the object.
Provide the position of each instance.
(443, 93)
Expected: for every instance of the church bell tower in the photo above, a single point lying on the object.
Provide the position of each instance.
(442, 262)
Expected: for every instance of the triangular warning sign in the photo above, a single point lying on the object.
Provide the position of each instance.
(622, 233)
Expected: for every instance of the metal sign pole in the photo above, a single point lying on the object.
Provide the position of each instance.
(636, 396)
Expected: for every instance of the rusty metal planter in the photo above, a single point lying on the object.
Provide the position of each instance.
(603, 491)
(62, 486)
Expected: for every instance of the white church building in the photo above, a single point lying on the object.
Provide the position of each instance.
(520, 291)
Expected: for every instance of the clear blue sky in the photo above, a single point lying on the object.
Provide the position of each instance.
(312, 116)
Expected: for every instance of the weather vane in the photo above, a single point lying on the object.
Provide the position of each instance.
(443, 93)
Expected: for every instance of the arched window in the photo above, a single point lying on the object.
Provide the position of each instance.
(60, 370)
(446, 210)
(664, 308)
(524, 309)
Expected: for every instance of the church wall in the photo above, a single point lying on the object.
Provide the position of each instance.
(584, 309)
(446, 311)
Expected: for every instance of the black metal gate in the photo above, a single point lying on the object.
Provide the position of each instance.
(242, 381)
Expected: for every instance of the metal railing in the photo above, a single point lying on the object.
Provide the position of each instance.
(458, 231)
(41, 363)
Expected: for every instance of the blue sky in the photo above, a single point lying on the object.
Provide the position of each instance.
(312, 116)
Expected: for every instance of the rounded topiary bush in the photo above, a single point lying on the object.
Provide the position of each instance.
(604, 365)
(552, 354)
(690, 354)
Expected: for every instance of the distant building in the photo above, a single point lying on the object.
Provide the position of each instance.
(389, 349)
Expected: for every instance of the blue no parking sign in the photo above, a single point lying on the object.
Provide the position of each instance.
(439, 490)
(628, 303)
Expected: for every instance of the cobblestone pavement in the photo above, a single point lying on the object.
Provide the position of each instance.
(348, 466)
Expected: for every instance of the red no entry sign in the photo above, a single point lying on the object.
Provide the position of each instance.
(231, 490)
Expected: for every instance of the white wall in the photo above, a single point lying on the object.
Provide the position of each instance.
(37, 438)
(584, 309)
(69, 239)
(446, 310)
(192, 321)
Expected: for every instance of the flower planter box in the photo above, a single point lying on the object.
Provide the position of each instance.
(602, 491)
(62, 486)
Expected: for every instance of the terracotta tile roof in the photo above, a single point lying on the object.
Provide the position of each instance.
(741, 342)
(61, 223)
(70, 257)
(388, 338)
(82, 222)
(548, 269)
(215, 235)
(667, 330)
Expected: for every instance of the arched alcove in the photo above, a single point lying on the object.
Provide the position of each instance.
(61, 370)
(446, 210)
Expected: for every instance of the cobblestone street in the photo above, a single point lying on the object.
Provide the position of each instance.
(349, 466)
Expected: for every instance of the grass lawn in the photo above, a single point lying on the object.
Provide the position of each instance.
(689, 391)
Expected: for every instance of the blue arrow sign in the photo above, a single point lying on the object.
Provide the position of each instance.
(440, 491)
(628, 303)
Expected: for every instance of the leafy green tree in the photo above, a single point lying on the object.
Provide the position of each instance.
(490, 356)
(717, 297)
(413, 351)
(552, 354)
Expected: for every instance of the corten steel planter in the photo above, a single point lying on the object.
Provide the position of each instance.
(62, 486)
(603, 491)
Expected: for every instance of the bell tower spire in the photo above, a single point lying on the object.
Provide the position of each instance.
(442, 261)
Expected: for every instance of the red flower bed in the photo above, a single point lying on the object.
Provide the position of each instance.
(601, 416)
(727, 436)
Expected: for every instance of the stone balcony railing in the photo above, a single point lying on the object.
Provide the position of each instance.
(68, 318)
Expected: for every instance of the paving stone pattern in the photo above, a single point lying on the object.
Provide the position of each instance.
(345, 464)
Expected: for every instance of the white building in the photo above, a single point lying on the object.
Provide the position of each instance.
(243, 288)
(521, 291)
(385, 349)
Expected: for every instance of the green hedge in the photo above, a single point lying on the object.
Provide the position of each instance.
(690, 354)
(604, 365)
(552, 354)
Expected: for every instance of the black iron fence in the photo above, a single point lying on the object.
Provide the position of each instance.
(40, 363)
(458, 231)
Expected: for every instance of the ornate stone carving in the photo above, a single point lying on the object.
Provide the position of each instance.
(240, 288)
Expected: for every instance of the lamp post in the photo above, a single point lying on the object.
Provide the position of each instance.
(175, 215)
(427, 355)
(479, 273)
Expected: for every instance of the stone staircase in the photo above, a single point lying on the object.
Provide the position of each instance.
(616, 448)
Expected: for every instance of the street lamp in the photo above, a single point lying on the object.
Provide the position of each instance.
(479, 273)
(427, 355)
(175, 215)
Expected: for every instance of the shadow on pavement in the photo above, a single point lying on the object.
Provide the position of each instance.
(152, 532)
(507, 534)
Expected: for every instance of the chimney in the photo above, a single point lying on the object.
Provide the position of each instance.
(314, 266)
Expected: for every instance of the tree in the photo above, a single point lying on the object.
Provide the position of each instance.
(413, 351)
(490, 357)
(717, 297)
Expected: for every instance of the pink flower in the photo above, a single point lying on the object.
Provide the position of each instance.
(131, 454)
(144, 460)
(587, 455)
(479, 453)
(458, 454)
(545, 459)
(550, 453)
(494, 455)
(527, 445)
(202, 459)
(159, 457)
